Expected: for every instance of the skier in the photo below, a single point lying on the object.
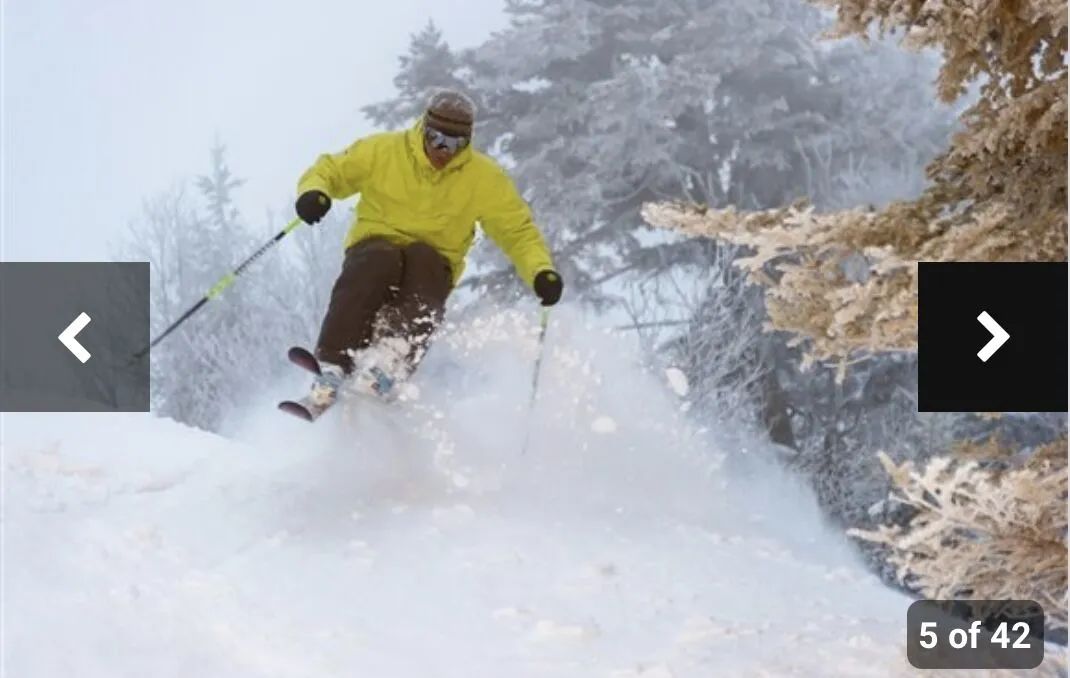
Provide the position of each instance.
(422, 191)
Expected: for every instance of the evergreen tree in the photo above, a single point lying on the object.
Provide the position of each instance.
(430, 63)
(217, 187)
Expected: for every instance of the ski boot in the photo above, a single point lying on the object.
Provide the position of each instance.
(383, 367)
(328, 382)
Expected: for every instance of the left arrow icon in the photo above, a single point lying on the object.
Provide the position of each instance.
(66, 337)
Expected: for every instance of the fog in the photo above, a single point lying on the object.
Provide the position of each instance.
(107, 102)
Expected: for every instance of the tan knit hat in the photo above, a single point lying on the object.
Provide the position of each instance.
(450, 112)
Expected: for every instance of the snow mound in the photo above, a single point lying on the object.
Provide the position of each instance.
(677, 381)
(417, 540)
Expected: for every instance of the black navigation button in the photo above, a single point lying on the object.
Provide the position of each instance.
(992, 337)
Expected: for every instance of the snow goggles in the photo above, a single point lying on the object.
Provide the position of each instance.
(439, 139)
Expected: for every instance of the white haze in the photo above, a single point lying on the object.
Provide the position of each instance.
(106, 103)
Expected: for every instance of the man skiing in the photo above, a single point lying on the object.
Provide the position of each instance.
(422, 191)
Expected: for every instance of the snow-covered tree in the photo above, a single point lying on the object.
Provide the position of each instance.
(211, 365)
(981, 533)
(602, 106)
(218, 187)
(846, 282)
(430, 63)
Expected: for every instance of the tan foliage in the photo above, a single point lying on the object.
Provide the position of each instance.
(848, 280)
(994, 449)
(1014, 138)
(983, 534)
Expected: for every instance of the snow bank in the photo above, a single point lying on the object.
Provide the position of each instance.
(418, 541)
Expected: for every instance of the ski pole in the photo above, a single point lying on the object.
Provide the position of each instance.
(223, 284)
(544, 320)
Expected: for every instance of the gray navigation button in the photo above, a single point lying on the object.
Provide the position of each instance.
(70, 334)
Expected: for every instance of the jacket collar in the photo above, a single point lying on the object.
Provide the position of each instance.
(415, 140)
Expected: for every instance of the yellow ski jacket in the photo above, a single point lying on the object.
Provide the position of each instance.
(403, 198)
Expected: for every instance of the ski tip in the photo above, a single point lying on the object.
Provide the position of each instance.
(296, 409)
(304, 358)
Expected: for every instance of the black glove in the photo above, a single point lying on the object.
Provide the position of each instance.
(312, 205)
(548, 286)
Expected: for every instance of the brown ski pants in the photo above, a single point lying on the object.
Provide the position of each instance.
(384, 290)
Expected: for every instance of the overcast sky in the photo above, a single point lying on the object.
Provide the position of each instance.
(109, 101)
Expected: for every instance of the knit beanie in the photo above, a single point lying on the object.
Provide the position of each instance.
(450, 112)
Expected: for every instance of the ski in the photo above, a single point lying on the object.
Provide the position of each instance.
(376, 385)
(305, 408)
(302, 357)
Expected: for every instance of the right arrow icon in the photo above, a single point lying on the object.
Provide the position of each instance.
(999, 336)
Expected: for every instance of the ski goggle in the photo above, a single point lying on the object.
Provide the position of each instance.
(441, 140)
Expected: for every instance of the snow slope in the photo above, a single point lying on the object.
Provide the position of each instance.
(418, 541)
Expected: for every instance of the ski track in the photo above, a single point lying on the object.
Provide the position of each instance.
(417, 541)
